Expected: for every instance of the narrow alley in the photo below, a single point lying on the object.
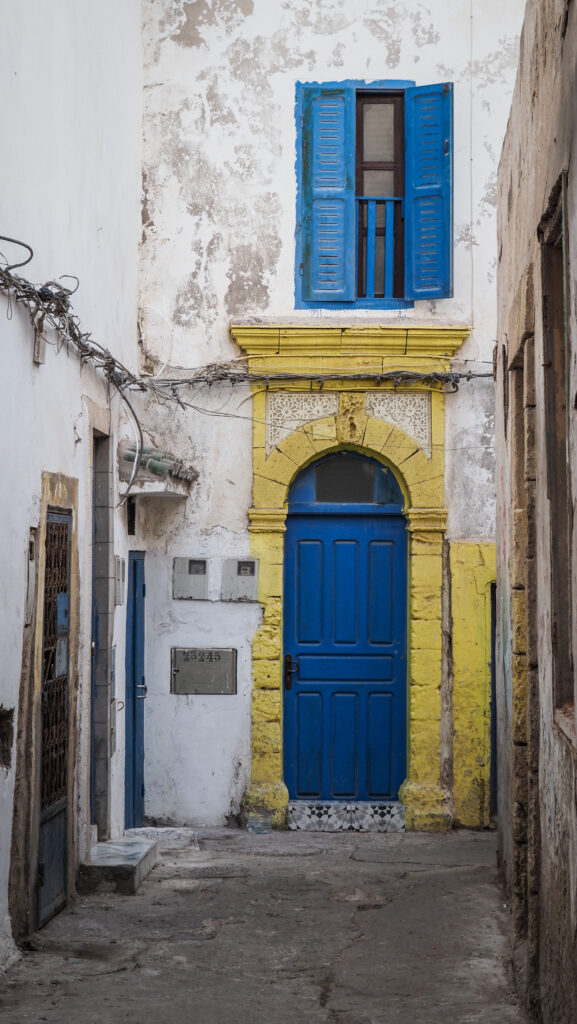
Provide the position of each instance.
(288, 927)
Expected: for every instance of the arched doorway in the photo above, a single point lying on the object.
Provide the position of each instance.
(345, 624)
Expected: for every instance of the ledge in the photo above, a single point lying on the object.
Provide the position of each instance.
(274, 341)
(159, 489)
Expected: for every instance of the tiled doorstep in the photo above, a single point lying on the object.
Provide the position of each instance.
(122, 864)
(334, 816)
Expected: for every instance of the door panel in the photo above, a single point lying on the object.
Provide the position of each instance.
(345, 623)
(344, 744)
(135, 692)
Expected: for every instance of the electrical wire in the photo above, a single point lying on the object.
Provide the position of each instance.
(49, 307)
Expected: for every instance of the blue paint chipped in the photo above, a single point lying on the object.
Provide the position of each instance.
(326, 221)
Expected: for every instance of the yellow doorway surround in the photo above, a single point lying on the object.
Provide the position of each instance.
(319, 390)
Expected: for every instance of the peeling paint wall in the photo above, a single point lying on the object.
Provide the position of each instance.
(538, 730)
(219, 194)
(71, 104)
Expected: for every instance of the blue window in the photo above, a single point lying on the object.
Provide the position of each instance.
(374, 207)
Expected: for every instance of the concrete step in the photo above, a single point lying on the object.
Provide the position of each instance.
(175, 837)
(118, 864)
(335, 816)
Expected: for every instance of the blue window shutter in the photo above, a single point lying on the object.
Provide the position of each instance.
(328, 194)
(429, 192)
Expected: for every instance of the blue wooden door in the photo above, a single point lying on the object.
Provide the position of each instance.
(135, 692)
(345, 633)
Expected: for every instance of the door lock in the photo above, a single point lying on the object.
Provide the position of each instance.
(291, 666)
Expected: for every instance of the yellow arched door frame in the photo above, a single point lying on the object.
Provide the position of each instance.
(421, 474)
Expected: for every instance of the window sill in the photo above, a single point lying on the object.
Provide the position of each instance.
(564, 720)
(358, 304)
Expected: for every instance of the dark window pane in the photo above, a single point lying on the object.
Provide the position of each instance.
(380, 265)
(388, 490)
(345, 478)
(378, 131)
(379, 183)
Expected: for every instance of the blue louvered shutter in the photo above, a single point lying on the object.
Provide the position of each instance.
(429, 192)
(328, 194)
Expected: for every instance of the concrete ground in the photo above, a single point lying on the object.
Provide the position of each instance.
(282, 928)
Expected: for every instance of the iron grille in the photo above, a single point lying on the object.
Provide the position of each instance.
(55, 665)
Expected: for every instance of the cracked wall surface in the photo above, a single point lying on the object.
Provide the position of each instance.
(537, 721)
(219, 195)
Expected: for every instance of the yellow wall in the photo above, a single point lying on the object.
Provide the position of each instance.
(472, 572)
(347, 354)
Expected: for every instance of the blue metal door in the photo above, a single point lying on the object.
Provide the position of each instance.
(345, 633)
(135, 692)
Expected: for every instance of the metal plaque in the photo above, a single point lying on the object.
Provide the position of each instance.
(190, 579)
(239, 579)
(203, 670)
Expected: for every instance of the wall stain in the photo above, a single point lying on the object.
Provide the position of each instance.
(385, 30)
(424, 33)
(323, 17)
(199, 14)
(488, 201)
(495, 67)
(250, 268)
(464, 236)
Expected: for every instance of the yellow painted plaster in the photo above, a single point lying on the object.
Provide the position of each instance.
(350, 352)
(472, 572)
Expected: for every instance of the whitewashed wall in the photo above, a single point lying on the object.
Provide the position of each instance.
(219, 192)
(69, 186)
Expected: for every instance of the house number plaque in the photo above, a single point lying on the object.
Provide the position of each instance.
(203, 670)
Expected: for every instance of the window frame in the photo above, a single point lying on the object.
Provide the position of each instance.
(303, 141)
(395, 99)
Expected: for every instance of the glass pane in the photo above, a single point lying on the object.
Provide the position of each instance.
(379, 266)
(379, 131)
(346, 478)
(388, 490)
(362, 268)
(378, 183)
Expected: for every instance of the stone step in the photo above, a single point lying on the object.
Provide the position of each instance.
(335, 816)
(118, 864)
(169, 837)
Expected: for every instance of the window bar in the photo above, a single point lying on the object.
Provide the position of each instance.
(371, 236)
(389, 246)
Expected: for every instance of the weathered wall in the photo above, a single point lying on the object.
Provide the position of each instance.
(71, 105)
(538, 742)
(219, 193)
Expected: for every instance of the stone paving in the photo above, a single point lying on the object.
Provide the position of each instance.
(348, 928)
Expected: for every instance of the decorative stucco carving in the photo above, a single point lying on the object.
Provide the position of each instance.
(288, 410)
(408, 410)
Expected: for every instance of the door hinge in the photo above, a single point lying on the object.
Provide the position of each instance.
(144, 589)
(40, 874)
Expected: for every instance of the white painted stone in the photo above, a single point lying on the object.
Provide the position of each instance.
(70, 178)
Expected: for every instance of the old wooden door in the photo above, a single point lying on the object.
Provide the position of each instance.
(345, 632)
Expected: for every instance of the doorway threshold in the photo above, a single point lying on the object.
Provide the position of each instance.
(336, 816)
(119, 865)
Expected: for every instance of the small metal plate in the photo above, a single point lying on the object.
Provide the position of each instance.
(203, 670)
(190, 579)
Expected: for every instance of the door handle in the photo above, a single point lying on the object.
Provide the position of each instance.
(290, 667)
(141, 686)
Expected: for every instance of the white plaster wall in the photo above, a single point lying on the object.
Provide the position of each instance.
(220, 186)
(70, 120)
(197, 748)
(219, 194)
